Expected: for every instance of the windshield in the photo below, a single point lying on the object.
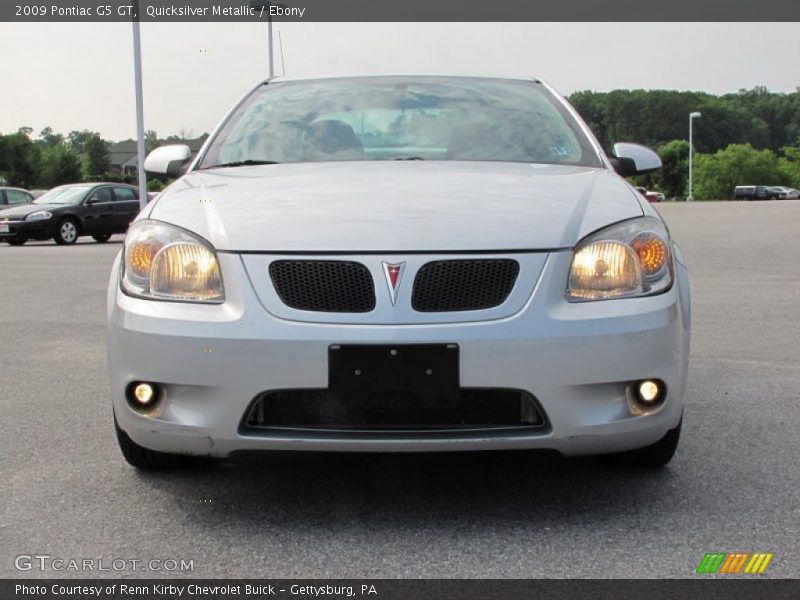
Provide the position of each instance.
(401, 118)
(66, 194)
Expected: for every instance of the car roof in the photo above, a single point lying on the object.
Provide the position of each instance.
(95, 184)
(497, 77)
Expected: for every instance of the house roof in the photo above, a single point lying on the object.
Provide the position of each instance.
(120, 152)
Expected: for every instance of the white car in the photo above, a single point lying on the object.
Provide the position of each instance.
(399, 264)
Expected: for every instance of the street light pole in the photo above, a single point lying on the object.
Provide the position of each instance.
(137, 70)
(268, 7)
(692, 117)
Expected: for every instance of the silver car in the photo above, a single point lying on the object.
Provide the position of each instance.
(399, 264)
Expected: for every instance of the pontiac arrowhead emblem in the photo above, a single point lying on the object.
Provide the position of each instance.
(394, 274)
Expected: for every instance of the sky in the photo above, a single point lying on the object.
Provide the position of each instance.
(80, 75)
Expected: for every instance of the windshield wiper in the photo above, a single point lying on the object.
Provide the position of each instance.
(410, 158)
(240, 163)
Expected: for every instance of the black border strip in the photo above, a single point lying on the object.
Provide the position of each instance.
(708, 587)
(408, 11)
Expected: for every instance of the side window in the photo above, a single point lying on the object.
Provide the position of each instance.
(17, 197)
(124, 194)
(103, 194)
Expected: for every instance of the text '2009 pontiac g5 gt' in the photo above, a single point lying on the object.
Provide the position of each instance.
(399, 264)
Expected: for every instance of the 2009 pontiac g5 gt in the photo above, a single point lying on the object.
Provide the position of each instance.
(399, 264)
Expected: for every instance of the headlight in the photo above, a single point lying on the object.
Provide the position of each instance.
(625, 260)
(39, 215)
(164, 262)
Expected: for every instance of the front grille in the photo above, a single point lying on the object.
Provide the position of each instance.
(457, 285)
(323, 285)
(321, 409)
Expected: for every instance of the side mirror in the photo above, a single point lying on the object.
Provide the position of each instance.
(92, 200)
(633, 159)
(168, 161)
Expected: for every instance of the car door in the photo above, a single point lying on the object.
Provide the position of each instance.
(98, 211)
(126, 207)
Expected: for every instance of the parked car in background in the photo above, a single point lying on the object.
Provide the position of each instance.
(788, 193)
(69, 211)
(776, 193)
(758, 192)
(650, 195)
(10, 196)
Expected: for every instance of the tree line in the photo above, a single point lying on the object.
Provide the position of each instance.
(52, 159)
(751, 137)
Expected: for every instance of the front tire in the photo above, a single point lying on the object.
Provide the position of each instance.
(143, 458)
(66, 232)
(17, 242)
(101, 239)
(652, 456)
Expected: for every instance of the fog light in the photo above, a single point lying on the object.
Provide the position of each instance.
(142, 395)
(649, 392)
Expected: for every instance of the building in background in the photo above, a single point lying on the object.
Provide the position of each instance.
(123, 158)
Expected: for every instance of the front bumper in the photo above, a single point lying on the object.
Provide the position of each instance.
(27, 230)
(577, 360)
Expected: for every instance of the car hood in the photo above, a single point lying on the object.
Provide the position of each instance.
(23, 210)
(396, 206)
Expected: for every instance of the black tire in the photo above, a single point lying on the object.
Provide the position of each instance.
(101, 239)
(652, 456)
(17, 242)
(67, 232)
(144, 459)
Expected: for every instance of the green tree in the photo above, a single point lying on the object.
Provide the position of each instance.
(97, 160)
(150, 141)
(48, 139)
(60, 164)
(757, 117)
(155, 185)
(673, 177)
(21, 160)
(716, 175)
(789, 164)
(77, 139)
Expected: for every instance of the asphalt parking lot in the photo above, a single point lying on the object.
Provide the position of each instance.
(733, 485)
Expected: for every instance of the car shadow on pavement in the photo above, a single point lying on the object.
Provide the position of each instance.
(313, 492)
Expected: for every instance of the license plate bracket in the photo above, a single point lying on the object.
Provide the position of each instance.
(430, 372)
